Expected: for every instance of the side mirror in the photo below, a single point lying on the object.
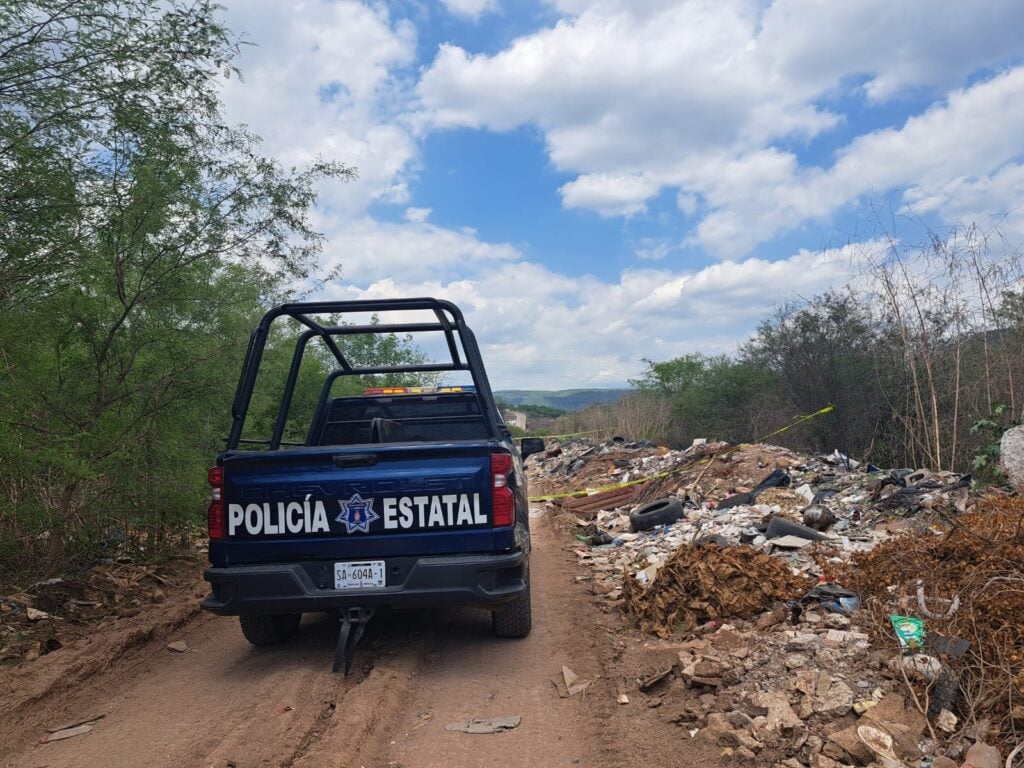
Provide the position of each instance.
(530, 446)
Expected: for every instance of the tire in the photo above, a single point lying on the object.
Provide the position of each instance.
(513, 619)
(659, 512)
(270, 629)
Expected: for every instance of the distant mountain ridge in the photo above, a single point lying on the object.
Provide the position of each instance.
(564, 399)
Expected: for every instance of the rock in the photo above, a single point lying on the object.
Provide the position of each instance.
(34, 614)
(739, 719)
(822, 761)
(946, 721)
(803, 641)
(1011, 454)
(795, 661)
(982, 755)
(944, 762)
(722, 734)
(178, 646)
(774, 717)
(704, 671)
(836, 621)
(838, 638)
(848, 743)
(836, 701)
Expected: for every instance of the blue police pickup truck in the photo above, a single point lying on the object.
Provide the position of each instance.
(398, 496)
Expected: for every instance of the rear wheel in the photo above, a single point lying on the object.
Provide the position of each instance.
(270, 629)
(513, 619)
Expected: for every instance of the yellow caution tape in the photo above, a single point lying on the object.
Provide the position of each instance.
(590, 491)
(796, 422)
(602, 489)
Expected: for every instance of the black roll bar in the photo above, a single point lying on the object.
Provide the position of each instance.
(450, 322)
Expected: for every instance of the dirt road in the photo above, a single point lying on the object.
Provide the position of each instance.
(223, 703)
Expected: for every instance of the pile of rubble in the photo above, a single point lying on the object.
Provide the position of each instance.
(808, 511)
(747, 576)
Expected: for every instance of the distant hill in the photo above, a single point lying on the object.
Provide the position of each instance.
(563, 399)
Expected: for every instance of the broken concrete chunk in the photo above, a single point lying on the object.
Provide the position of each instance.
(836, 700)
(803, 641)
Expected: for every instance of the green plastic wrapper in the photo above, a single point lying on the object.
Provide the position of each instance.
(910, 632)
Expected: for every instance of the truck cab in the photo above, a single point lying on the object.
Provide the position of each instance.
(399, 495)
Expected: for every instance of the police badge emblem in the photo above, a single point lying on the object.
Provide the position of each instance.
(357, 514)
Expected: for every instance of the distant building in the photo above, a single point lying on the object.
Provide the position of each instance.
(516, 419)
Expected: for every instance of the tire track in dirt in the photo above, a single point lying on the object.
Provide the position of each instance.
(224, 703)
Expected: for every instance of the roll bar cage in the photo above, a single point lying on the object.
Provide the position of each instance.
(450, 322)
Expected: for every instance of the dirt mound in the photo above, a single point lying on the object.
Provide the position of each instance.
(701, 583)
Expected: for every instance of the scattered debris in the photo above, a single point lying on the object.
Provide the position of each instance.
(67, 733)
(44, 617)
(486, 725)
(650, 681)
(699, 584)
(571, 683)
(90, 720)
(773, 581)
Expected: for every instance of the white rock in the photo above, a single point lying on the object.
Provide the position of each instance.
(1011, 451)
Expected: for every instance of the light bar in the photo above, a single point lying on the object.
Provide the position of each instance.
(417, 390)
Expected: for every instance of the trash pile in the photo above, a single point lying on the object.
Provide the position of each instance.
(706, 583)
(822, 613)
(807, 511)
(963, 591)
(46, 615)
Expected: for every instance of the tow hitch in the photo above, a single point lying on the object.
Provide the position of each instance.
(353, 624)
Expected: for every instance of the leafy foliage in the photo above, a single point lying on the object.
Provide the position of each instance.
(141, 238)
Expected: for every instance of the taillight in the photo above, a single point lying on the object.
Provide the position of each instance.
(503, 503)
(215, 513)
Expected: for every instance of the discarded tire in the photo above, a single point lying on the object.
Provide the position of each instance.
(780, 526)
(270, 629)
(661, 512)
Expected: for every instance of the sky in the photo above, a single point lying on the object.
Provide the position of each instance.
(599, 183)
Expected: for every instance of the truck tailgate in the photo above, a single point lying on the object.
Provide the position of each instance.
(360, 501)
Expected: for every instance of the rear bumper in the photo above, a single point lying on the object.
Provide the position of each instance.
(308, 587)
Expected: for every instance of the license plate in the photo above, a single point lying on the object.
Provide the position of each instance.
(364, 575)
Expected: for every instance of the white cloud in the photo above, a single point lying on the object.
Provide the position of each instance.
(417, 215)
(320, 81)
(634, 97)
(470, 9)
(974, 133)
(542, 328)
(609, 194)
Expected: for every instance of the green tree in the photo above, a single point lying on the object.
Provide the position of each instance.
(141, 237)
(824, 352)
